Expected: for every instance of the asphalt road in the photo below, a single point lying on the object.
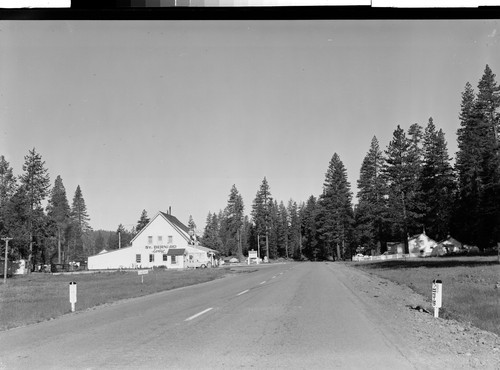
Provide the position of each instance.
(295, 315)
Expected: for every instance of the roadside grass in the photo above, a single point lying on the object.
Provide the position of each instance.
(29, 299)
(469, 285)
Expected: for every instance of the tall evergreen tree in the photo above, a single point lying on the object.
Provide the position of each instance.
(211, 238)
(142, 222)
(294, 232)
(487, 104)
(308, 217)
(399, 175)
(371, 206)
(58, 210)
(261, 208)
(437, 182)
(191, 224)
(80, 225)
(36, 183)
(7, 182)
(336, 214)
(17, 221)
(273, 229)
(8, 187)
(233, 222)
(282, 230)
(468, 167)
(478, 164)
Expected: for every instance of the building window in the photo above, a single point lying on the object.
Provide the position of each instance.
(170, 239)
(151, 258)
(138, 258)
(165, 258)
(150, 239)
(160, 238)
(173, 261)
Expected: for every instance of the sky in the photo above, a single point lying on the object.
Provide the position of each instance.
(147, 115)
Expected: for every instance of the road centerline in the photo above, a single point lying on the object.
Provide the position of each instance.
(198, 314)
(243, 292)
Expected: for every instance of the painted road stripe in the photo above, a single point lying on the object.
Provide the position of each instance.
(199, 314)
(262, 282)
(243, 292)
(274, 276)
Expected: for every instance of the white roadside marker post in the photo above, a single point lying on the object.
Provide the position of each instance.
(142, 273)
(437, 296)
(72, 295)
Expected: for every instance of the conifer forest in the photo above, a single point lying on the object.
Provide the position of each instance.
(406, 186)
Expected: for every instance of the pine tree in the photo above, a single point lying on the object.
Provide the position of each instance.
(7, 182)
(143, 221)
(294, 233)
(58, 210)
(233, 222)
(468, 167)
(261, 208)
(371, 208)
(308, 217)
(191, 224)
(399, 176)
(36, 182)
(437, 183)
(282, 230)
(211, 238)
(273, 229)
(8, 188)
(478, 164)
(80, 224)
(18, 214)
(336, 215)
(487, 104)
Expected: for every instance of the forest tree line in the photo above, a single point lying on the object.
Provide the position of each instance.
(409, 187)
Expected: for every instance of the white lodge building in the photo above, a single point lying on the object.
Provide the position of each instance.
(164, 241)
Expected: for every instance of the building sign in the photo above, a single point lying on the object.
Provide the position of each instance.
(159, 248)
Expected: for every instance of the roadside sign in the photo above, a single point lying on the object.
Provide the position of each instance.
(437, 296)
(142, 273)
(72, 295)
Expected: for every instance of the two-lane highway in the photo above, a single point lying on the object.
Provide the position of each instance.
(273, 316)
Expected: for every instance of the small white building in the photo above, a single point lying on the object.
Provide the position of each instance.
(421, 245)
(164, 241)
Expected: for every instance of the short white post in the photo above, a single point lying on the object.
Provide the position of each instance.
(72, 295)
(437, 296)
(142, 273)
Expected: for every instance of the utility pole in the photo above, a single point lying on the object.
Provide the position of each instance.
(6, 240)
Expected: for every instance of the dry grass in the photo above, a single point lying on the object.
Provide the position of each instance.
(33, 298)
(469, 285)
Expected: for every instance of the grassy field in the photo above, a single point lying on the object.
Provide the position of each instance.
(28, 299)
(469, 285)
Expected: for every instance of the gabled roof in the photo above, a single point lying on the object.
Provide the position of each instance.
(174, 221)
(178, 226)
(424, 235)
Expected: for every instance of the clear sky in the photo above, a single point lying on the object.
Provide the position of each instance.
(147, 115)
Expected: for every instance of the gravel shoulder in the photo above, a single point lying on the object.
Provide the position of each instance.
(443, 343)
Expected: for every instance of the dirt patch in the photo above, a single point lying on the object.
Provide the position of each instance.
(451, 344)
